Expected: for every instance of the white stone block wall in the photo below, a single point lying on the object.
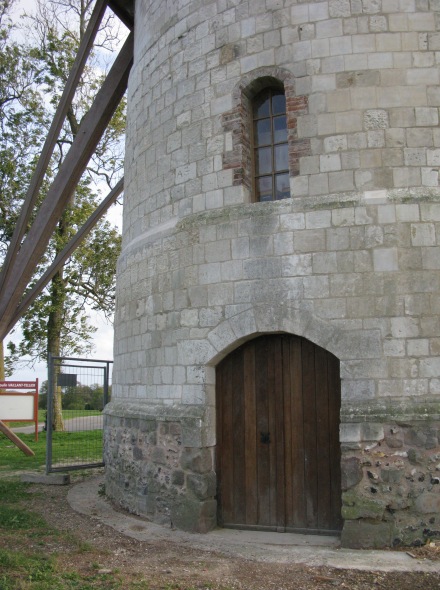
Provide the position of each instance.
(351, 261)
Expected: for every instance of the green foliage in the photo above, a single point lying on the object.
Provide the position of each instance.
(33, 74)
(22, 123)
(80, 397)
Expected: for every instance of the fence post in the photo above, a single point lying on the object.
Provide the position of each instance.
(49, 413)
(106, 374)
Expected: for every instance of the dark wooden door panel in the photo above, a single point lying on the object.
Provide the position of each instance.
(250, 430)
(297, 512)
(278, 456)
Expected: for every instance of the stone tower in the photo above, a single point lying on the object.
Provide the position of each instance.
(277, 327)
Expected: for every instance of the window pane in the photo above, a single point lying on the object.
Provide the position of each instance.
(278, 104)
(262, 106)
(282, 186)
(264, 160)
(262, 132)
(264, 188)
(279, 129)
(281, 157)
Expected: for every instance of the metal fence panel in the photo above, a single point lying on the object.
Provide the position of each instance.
(81, 388)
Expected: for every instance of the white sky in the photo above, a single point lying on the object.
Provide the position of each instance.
(103, 339)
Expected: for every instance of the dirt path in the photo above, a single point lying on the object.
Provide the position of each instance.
(165, 564)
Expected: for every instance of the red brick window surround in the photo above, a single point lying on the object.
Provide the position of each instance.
(239, 121)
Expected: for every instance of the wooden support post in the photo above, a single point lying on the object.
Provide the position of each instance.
(17, 441)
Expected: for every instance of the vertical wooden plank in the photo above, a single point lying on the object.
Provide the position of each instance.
(322, 437)
(297, 422)
(334, 441)
(310, 447)
(219, 393)
(237, 435)
(287, 424)
(250, 435)
(273, 345)
(263, 454)
(278, 438)
(227, 451)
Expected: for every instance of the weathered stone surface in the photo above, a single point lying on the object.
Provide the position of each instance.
(366, 534)
(202, 486)
(351, 472)
(355, 506)
(194, 516)
(390, 475)
(428, 503)
(394, 442)
(197, 460)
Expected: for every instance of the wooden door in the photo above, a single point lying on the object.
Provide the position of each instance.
(278, 452)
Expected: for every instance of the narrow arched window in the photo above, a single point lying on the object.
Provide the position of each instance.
(271, 155)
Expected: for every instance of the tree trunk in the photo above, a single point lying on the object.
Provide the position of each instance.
(57, 291)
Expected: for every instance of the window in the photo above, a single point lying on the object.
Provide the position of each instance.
(271, 155)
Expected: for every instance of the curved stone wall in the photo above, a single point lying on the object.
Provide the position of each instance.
(351, 261)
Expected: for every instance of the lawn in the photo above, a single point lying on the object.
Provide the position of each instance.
(32, 553)
(68, 447)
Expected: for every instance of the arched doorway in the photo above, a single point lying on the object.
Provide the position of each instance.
(278, 451)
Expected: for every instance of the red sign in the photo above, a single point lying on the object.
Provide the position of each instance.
(18, 384)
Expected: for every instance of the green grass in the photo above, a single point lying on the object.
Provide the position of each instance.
(36, 556)
(32, 554)
(67, 447)
(27, 561)
(13, 490)
(15, 518)
(67, 414)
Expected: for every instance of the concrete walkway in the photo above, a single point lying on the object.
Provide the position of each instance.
(71, 425)
(311, 550)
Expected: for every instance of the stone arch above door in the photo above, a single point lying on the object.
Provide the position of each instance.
(266, 318)
(349, 346)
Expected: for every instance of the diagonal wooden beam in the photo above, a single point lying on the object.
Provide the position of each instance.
(124, 10)
(59, 261)
(17, 441)
(64, 184)
(49, 144)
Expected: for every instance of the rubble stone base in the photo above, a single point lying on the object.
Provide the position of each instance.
(157, 465)
(390, 483)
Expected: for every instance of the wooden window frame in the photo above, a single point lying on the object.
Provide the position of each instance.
(268, 93)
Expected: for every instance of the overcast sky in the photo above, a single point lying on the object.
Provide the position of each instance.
(103, 340)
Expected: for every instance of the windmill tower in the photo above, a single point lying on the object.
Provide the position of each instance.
(278, 295)
(277, 324)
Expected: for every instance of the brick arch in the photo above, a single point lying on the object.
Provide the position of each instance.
(238, 122)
